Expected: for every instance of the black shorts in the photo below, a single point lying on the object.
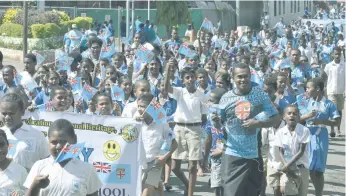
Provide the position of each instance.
(242, 177)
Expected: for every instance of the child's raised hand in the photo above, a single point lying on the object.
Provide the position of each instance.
(41, 181)
(117, 109)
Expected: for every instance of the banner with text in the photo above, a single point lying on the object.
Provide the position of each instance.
(111, 146)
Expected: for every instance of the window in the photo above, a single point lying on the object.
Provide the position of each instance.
(298, 6)
(280, 7)
(295, 6)
(275, 8)
(291, 6)
(284, 8)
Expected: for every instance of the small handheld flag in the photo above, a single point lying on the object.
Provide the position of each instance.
(39, 58)
(88, 92)
(76, 84)
(186, 51)
(64, 62)
(70, 151)
(157, 112)
(144, 55)
(207, 25)
(117, 93)
(45, 107)
(17, 78)
(107, 51)
(29, 85)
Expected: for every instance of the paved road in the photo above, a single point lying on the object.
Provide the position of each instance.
(334, 175)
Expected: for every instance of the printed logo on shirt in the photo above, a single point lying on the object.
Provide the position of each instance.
(242, 109)
(129, 133)
(30, 145)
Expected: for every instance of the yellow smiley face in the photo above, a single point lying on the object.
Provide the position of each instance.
(111, 150)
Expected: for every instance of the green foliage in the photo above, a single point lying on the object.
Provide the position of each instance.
(172, 13)
(10, 15)
(63, 16)
(82, 22)
(45, 30)
(11, 30)
(11, 45)
(37, 17)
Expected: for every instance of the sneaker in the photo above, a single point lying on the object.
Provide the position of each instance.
(332, 134)
(168, 187)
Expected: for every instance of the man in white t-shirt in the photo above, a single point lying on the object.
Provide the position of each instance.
(335, 71)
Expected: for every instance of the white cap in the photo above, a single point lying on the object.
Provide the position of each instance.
(74, 26)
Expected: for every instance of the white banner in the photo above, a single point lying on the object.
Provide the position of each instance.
(318, 22)
(111, 145)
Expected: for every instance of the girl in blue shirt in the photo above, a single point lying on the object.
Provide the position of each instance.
(52, 80)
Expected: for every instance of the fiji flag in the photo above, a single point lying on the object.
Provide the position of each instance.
(113, 174)
(39, 58)
(17, 78)
(12, 146)
(58, 54)
(76, 84)
(255, 77)
(144, 55)
(70, 151)
(108, 51)
(207, 25)
(117, 93)
(29, 85)
(45, 107)
(64, 62)
(88, 92)
(157, 112)
(302, 103)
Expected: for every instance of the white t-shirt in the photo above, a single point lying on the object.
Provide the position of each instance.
(307, 52)
(12, 179)
(129, 110)
(28, 146)
(336, 77)
(190, 106)
(76, 178)
(291, 143)
(153, 136)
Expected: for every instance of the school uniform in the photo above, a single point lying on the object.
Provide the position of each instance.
(27, 145)
(190, 107)
(290, 142)
(153, 136)
(336, 83)
(129, 110)
(76, 178)
(12, 179)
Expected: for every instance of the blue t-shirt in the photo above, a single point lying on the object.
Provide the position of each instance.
(217, 137)
(240, 142)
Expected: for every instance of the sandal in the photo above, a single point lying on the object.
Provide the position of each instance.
(168, 187)
(332, 134)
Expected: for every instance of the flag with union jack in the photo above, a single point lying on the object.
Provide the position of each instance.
(157, 112)
(70, 151)
(102, 167)
(88, 92)
(207, 25)
(64, 62)
(117, 93)
(12, 146)
(255, 77)
(17, 78)
(108, 51)
(39, 58)
(76, 84)
(186, 51)
(45, 107)
(29, 84)
(144, 55)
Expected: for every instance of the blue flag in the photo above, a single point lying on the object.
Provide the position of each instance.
(88, 92)
(117, 93)
(105, 34)
(12, 147)
(70, 151)
(113, 173)
(207, 25)
(108, 51)
(17, 78)
(64, 62)
(144, 55)
(157, 112)
(186, 51)
(45, 107)
(76, 84)
(29, 85)
(39, 58)
(255, 77)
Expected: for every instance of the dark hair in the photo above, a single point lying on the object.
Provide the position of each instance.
(62, 125)
(87, 60)
(218, 92)
(113, 79)
(85, 74)
(95, 40)
(43, 67)
(9, 67)
(13, 98)
(3, 134)
(105, 60)
(54, 90)
(31, 56)
(291, 106)
(240, 66)
(77, 57)
(1, 57)
(102, 94)
(317, 82)
(187, 70)
(56, 74)
(201, 71)
(270, 81)
(142, 81)
(265, 59)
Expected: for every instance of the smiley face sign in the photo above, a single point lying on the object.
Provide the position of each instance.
(111, 150)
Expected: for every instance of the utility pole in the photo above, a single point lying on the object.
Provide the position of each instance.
(25, 28)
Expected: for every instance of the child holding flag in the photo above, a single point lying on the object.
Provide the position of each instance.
(68, 177)
(158, 143)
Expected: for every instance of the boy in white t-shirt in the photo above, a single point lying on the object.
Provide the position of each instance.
(71, 177)
(154, 136)
(292, 140)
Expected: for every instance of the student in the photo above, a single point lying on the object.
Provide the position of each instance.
(318, 113)
(69, 177)
(29, 66)
(202, 81)
(223, 80)
(125, 83)
(40, 74)
(30, 145)
(292, 141)
(140, 87)
(285, 95)
(214, 142)
(12, 175)
(153, 136)
(188, 127)
(8, 78)
(104, 105)
(336, 84)
(53, 80)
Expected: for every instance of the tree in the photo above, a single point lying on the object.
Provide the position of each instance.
(172, 13)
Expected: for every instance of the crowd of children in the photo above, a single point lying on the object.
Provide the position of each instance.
(254, 110)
